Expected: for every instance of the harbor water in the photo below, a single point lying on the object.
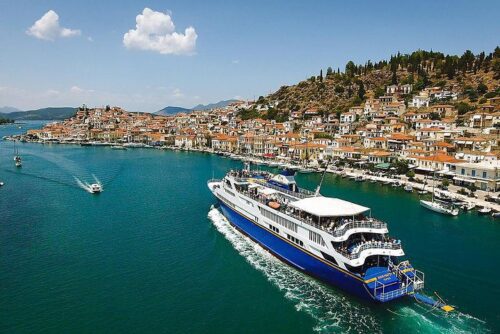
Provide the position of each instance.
(149, 254)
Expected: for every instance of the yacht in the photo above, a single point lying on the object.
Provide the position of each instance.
(359, 178)
(331, 239)
(95, 188)
(484, 211)
(118, 147)
(440, 207)
(408, 188)
(467, 206)
(17, 158)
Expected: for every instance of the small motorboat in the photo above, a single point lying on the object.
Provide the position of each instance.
(496, 214)
(467, 206)
(306, 170)
(1, 184)
(408, 188)
(95, 188)
(118, 147)
(359, 178)
(18, 161)
(484, 211)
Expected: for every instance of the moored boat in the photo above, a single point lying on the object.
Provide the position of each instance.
(484, 211)
(439, 207)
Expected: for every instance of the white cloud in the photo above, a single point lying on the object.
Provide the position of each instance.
(48, 28)
(76, 90)
(236, 61)
(90, 39)
(177, 93)
(155, 31)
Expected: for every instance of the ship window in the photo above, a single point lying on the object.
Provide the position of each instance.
(295, 240)
(274, 228)
(329, 258)
(278, 219)
(316, 237)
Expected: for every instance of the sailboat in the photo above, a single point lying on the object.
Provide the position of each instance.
(437, 205)
(17, 157)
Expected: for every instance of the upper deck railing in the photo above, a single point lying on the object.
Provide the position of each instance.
(356, 252)
(370, 223)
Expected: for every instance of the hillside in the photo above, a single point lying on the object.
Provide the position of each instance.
(220, 104)
(170, 110)
(474, 77)
(7, 109)
(50, 113)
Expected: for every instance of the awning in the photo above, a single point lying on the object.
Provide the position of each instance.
(457, 178)
(328, 207)
(385, 165)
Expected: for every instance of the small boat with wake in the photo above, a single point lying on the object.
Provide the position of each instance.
(95, 188)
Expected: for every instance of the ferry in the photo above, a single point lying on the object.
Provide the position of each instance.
(331, 239)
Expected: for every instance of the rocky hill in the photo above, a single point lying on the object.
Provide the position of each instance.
(474, 77)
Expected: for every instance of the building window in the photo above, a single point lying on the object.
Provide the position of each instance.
(484, 175)
(473, 173)
(462, 171)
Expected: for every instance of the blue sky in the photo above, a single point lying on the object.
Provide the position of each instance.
(234, 48)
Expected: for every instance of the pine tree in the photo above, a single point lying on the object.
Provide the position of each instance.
(394, 79)
(361, 91)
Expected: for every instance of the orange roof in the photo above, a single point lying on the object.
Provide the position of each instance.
(441, 158)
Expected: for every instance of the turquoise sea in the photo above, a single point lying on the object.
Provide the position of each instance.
(145, 257)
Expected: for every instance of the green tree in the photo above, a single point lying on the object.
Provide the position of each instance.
(379, 91)
(394, 79)
(350, 69)
(329, 71)
(361, 91)
(482, 88)
(463, 107)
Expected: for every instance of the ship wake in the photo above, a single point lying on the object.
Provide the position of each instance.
(332, 310)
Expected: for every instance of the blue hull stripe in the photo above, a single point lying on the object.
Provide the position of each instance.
(296, 257)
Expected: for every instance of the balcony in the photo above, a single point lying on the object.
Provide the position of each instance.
(354, 252)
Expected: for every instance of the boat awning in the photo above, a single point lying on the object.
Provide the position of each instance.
(328, 207)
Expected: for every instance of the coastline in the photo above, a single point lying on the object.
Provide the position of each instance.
(352, 173)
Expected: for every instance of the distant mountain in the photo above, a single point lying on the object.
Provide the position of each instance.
(170, 110)
(50, 113)
(220, 104)
(7, 109)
